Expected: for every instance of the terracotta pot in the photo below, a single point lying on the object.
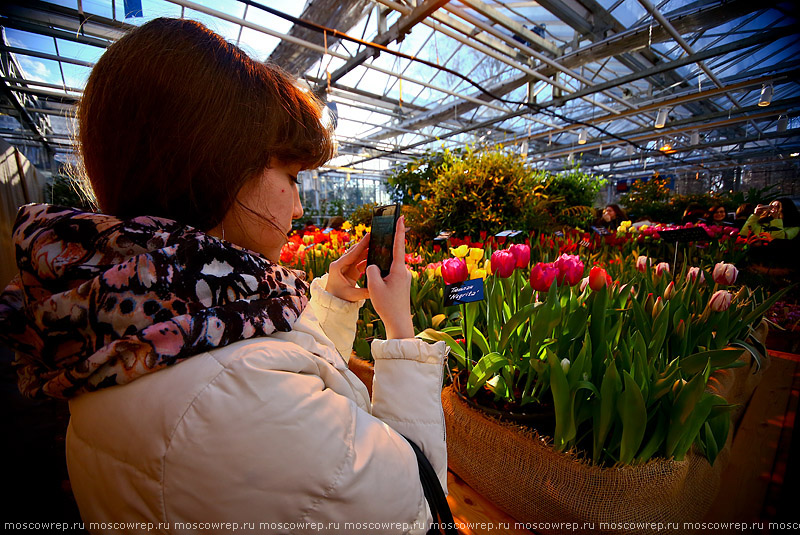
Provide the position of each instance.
(364, 370)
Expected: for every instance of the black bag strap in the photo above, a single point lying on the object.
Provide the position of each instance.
(434, 494)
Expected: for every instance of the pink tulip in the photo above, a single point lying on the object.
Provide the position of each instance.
(641, 263)
(504, 262)
(720, 301)
(598, 278)
(570, 269)
(454, 270)
(522, 253)
(694, 272)
(542, 276)
(725, 274)
(662, 268)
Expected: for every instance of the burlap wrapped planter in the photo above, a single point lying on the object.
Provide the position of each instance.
(521, 474)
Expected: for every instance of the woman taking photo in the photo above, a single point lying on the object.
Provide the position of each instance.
(204, 386)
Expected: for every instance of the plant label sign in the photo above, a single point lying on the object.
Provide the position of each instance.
(507, 233)
(463, 292)
(443, 235)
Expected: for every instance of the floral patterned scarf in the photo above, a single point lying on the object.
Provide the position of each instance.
(101, 301)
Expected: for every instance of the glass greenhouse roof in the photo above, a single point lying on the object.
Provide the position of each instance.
(557, 80)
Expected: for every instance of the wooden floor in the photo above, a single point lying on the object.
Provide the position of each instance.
(755, 487)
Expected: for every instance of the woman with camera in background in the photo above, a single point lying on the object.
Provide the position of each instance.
(204, 385)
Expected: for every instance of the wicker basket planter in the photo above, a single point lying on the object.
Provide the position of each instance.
(520, 473)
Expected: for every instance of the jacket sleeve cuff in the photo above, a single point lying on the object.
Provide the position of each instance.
(336, 317)
(410, 349)
(407, 394)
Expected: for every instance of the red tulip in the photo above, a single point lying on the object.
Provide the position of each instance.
(570, 269)
(454, 270)
(522, 253)
(503, 263)
(598, 278)
(542, 276)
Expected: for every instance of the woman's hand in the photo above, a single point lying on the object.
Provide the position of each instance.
(391, 296)
(346, 270)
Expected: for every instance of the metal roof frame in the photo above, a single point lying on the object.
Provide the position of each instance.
(604, 65)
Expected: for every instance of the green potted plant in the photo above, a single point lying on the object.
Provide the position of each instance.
(626, 365)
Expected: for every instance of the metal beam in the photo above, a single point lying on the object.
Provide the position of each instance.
(687, 126)
(396, 33)
(686, 60)
(26, 118)
(634, 38)
(671, 102)
(534, 40)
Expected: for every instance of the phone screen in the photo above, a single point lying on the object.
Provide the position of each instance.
(381, 237)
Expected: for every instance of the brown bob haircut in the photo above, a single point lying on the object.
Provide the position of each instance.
(174, 120)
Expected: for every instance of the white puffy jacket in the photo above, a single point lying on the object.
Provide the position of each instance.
(270, 435)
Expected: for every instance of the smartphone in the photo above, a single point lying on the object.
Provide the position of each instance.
(381, 237)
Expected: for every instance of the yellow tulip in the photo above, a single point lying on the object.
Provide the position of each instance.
(347, 225)
(439, 271)
(478, 274)
(487, 266)
(460, 252)
(475, 254)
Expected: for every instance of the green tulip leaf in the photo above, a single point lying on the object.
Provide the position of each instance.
(483, 370)
(633, 413)
(436, 336)
(719, 358)
(563, 404)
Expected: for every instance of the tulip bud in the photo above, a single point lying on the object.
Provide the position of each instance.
(597, 278)
(542, 276)
(648, 304)
(565, 365)
(503, 263)
(693, 273)
(454, 270)
(725, 274)
(662, 268)
(584, 283)
(670, 292)
(522, 253)
(720, 301)
(677, 385)
(658, 306)
(641, 263)
(680, 330)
